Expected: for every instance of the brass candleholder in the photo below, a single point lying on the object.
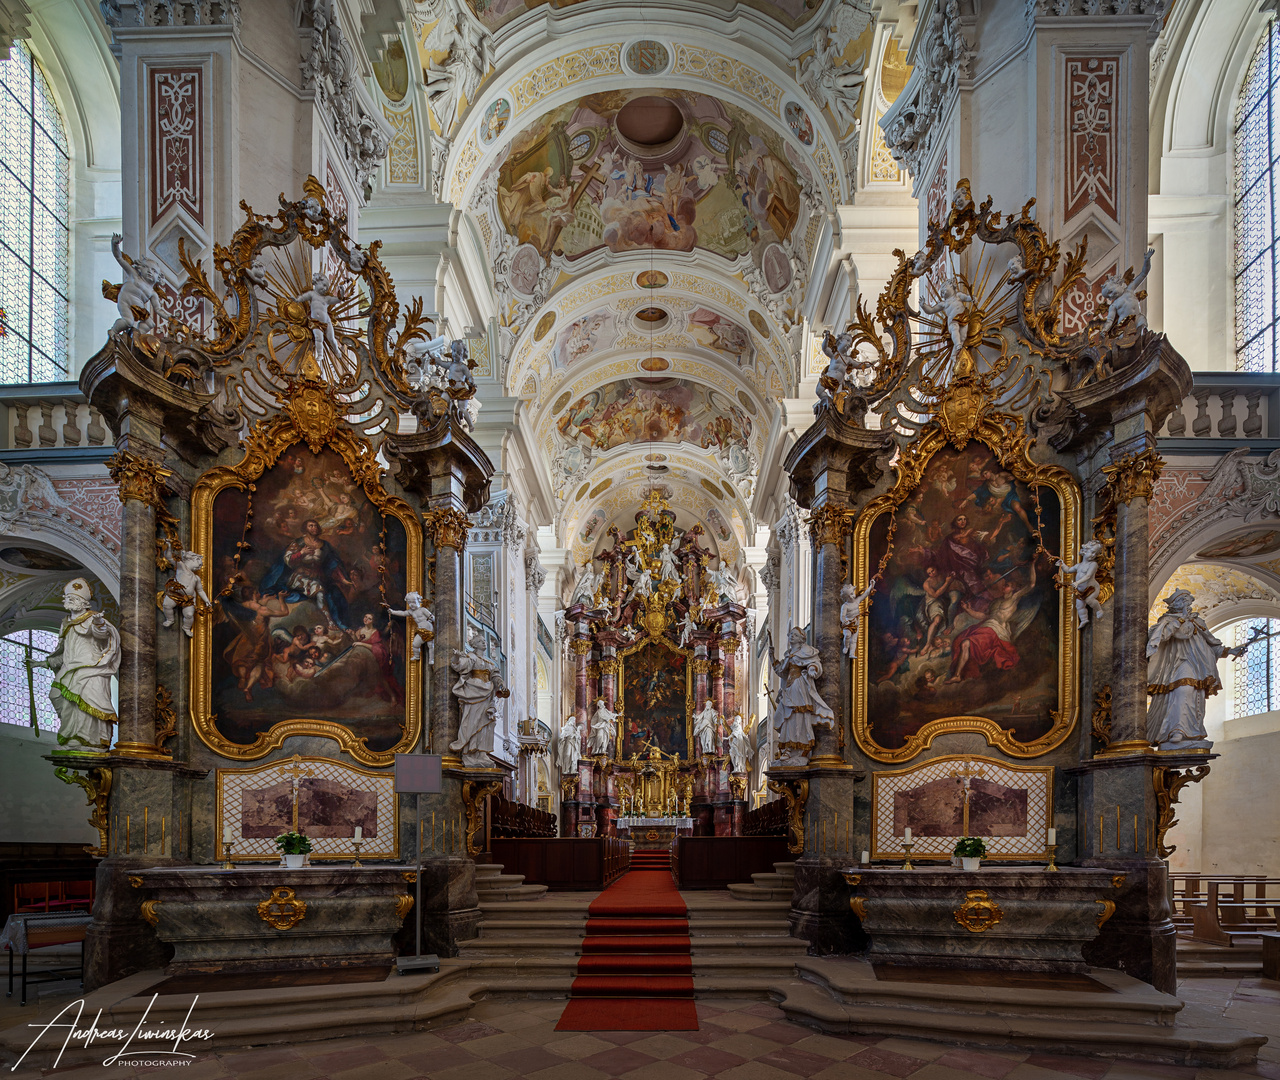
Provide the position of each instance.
(1052, 850)
(356, 844)
(227, 864)
(907, 845)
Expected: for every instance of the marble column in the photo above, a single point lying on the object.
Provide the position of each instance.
(716, 671)
(447, 528)
(831, 525)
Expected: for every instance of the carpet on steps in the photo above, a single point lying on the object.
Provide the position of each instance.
(636, 971)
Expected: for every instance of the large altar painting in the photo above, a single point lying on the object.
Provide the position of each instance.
(655, 701)
(302, 633)
(965, 626)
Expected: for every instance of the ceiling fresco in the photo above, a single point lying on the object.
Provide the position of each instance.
(654, 411)
(497, 13)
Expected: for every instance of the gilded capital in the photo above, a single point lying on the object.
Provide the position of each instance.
(716, 670)
(1134, 476)
(701, 665)
(609, 665)
(830, 524)
(581, 646)
(447, 528)
(729, 644)
(140, 478)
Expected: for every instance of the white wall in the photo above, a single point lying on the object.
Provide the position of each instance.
(35, 806)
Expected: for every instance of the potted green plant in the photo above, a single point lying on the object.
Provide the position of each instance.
(970, 850)
(295, 847)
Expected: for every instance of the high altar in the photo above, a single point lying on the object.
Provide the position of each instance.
(657, 645)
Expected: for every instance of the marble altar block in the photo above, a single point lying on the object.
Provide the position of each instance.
(269, 918)
(654, 834)
(1019, 918)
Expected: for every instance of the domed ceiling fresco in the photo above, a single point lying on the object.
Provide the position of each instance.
(497, 13)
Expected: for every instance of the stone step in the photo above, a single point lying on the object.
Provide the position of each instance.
(740, 927)
(488, 882)
(571, 945)
(785, 869)
(520, 929)
(484, 870)
(761, 892)
(511, 893)
(772, 881)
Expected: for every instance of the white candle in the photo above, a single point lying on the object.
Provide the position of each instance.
(866, 857)
(359, 833)
(906, 835)
(1053, 836)
(227, 835)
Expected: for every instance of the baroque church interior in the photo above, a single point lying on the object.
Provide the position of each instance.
(574, 540)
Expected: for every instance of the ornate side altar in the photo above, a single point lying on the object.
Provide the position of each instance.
(657, 641)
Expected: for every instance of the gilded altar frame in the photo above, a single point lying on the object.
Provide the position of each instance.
(619, 697)
(309, 418)
(1010, 446)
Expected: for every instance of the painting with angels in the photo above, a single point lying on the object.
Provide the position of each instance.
(632, 171)
(301, 630)
(722, 334)
(653, 410)
(592, 332)
(965, 621)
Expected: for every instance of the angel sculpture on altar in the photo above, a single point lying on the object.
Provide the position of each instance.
(184, 589)
(643, 586)
(1085, 585)
(1182, 670)
(739, 745)
(87, 655)
(687, 626)
(705, 722)
(851, 616)
(953, 304)
(603, 726)
(724, 581)
(136, 298)
(569, 746)
(800, 707)
(424, 625)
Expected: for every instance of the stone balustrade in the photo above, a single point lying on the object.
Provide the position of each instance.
(1228, 405)
(49, 416)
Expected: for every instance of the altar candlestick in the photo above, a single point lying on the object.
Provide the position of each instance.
(359, 833)
(1052, 838)
(866, 857)
(906, 834)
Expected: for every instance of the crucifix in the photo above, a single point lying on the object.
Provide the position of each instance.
(964, 777)
(295, 770)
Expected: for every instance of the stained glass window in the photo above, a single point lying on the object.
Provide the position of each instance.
(15, 691)
(34, 171)
(1257, 673)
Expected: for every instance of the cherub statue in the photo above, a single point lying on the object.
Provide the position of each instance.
(953, 300)
(1123, 301)
(358, 260)
(311, 209)
(183, 589)
(137, 299)
(319, 300)
(851, 616)
(256, 272)
(1018, 273)
(456, 369)
(705, 721)
(603, 727)
(739, 745)
(424, 625)
(687, 627)
(1086, 580)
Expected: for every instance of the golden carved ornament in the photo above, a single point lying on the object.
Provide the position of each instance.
(608, 665)
(796, 793)
(978, 913)
(851, 879)
(716, 669)
(97, 786)
(701, 665)
(447, 528)
(1168, 784)
(738, 787)
(282, 910)
(135, 881)
(140, 478)
(580, 646)
(858, 905)
(1134, 476)
(729, 644)
(148, 910)
(1108, 909)
(1117, 881)
(830, 524)
(267, 440)
(314, 411)
(1101, 719)
(410, 876)
(474, 793)
(166, 716)
(1005, 435)
(404, 904)
(568, 787)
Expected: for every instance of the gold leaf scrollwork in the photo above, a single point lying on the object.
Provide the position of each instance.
(282, 910)
(1108, 909)
(166, 716)
(978, 913)
(404, 904)
(1117, 880)
(609, 665)
(474, 793)
(410, 876)
(148, 910)
(851, 879)
(1168, 784)
(830, 524)
(139, 478)
(796, 793)
(1101, 719)
(446, 527)
(97, 786)
(1134, 476)
(858, 905)
(568, 787)
(135, 881)
(581, 646)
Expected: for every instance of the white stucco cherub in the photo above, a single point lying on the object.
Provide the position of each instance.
(424, 625)
(851, 616)
(953, 303)
(137, 292)
(1122, 298)
(1086, 580)
(319, 300)
(256, 272)
(183, 589)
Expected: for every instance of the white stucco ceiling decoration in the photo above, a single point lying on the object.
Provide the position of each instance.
(1222, 593)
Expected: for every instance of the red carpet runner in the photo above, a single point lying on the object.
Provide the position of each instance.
(636, 971)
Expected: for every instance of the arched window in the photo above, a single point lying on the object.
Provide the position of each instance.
(1257, 673)
(34, 170)
(18, 688)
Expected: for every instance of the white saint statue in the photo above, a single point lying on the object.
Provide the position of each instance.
(687, 627)
(569, 746)
(1086, 580)
(87, 655)
(477, 687)
(724, 581)
(1182, 670)
(643, 586)
(799, 708)
(424, 625)
(588, 583)
(667, 568)
(704, 728)
(739, 745)
(851, 616)
(603, 726)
